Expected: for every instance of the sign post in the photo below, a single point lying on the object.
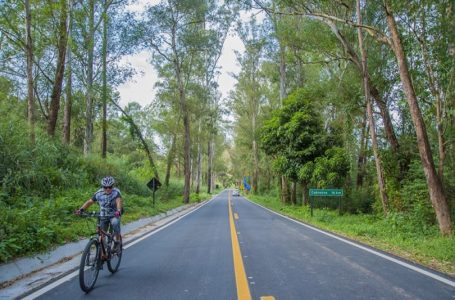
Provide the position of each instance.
(154, 184)
(326, 193)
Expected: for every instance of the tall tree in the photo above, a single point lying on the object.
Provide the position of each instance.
(172, 30)
(372, 126)
(66, 137)
(30, 85)
(435, 187)
(186, 44)
(104, 79)
(62, 42)
(248, 95)
(90, 44)
(275, 19)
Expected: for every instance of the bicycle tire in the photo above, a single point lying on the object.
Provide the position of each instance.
(89, 266)
(116, 257)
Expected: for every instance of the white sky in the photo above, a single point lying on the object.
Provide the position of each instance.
(140, 88)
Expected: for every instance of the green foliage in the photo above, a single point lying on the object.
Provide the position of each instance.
(294, 134)
(38, 169)
(331, 169)
(34, 225)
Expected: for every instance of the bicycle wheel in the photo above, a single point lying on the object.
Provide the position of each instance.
(89, 267)
(116, 257)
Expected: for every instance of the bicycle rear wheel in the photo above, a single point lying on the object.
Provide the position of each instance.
(89, 267)
(116, 257)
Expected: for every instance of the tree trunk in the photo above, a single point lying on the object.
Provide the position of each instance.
(282, 74)
(69, 85)
(293, 193)
(285, 197)
(384, 111)
(104, 78)
(436, 191)
(305, 196)
(366, 88)
(362, 150)
(170, 160)
(187, 145)
(60, 70)
(199, 162)
(30, 84)
(254, 182)
(88, 138)
(438, 94)
(209, 166)
(284, 185)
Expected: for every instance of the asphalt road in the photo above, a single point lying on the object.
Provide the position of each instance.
(279, 259)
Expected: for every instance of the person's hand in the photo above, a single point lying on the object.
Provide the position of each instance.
(117, 214)
(79, 211)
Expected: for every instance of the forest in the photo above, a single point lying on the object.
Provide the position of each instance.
(353, 95)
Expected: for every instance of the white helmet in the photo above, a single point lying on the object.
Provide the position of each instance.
(107, 181)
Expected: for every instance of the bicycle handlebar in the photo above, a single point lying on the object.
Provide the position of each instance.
(94, 214)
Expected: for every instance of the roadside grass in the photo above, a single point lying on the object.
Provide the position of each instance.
(38, 225)
(392, 234)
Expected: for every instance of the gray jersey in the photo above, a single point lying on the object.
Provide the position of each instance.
(107, 201)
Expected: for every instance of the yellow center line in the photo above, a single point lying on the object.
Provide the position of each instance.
(243, 289)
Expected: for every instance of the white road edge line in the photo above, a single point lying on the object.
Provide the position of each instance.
(66, 278)
(402, 263)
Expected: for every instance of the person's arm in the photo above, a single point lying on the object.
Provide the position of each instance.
(118, 203)
(87, 204)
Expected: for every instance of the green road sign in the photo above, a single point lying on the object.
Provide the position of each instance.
(326, 192)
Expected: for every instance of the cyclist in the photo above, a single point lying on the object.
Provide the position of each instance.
(110, 202)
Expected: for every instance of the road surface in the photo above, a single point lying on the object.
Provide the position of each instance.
(231, 248)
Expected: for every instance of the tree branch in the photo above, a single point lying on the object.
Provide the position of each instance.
(139, 135)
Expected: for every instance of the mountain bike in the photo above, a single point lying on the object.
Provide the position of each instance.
(102, 247)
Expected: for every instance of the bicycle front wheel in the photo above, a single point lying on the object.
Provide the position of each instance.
(89, 267)
(116, 257)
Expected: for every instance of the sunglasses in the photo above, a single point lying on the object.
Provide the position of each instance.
(107, 187)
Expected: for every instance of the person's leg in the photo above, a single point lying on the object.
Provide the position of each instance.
(115, 223)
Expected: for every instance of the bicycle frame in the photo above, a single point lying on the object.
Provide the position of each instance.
(102, 235)
(97, 251)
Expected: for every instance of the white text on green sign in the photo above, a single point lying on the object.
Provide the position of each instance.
(326, 192)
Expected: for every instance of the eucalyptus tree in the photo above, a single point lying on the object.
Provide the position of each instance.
(98, 38)
(88, 17)
(328, 14)
(30, 85)
(167, 117)
(220, 26)
(48, 21)
(179, 34)
(276, 22)
(366, 88)
(218, 19)
(429, 26)
(435, 187)
(18, 50)
(66, 130)
(248, 96)
(62, 40)
(388, 31)
(116, 42)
